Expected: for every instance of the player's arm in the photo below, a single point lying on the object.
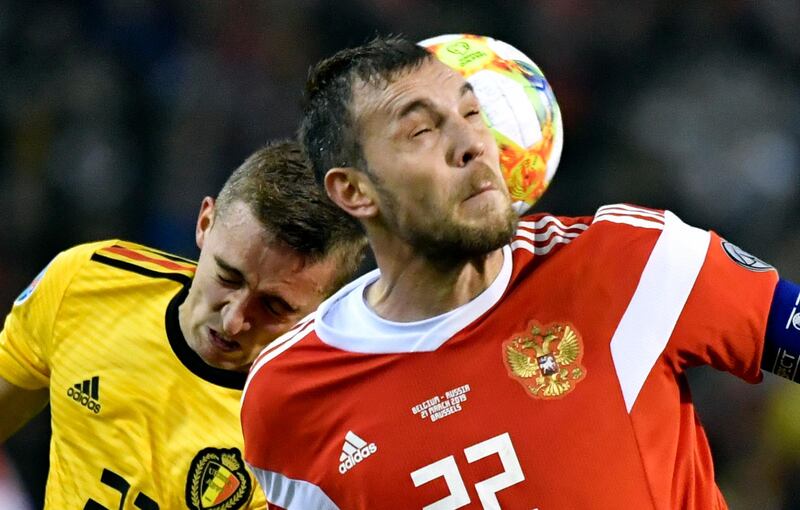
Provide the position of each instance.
(782, 340)
(18, 406)
(26, 341)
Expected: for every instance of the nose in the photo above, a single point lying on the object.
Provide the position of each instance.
(468, 142)
(234, 316)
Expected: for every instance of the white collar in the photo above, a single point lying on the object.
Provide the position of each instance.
(346, 322)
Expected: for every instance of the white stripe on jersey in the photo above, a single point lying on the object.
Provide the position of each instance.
(292, 494)
(354, 440)
(630, 215)
(556, 233)
(540, 250)
(286, 336)
(546, 220)
(657, 303)
(544, 235)
(271, 351)
(629, 210)
(629, 220)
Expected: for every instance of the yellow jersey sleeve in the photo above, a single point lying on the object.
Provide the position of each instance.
(26, 341)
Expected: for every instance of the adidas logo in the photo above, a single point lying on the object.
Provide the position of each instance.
(354, 451)
(86, 393)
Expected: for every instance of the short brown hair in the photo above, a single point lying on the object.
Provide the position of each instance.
(278, 185)
(328, 130)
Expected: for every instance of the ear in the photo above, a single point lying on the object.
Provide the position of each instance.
(351, 190)
(205, 220)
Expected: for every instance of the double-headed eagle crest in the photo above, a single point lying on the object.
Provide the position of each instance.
(546, 361)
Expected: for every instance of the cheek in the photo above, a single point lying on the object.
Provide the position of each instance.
(268, 325)
(424, 181)
(431, 199)
(413, 185)
(266, 333)
(492, 150)
(212, 295)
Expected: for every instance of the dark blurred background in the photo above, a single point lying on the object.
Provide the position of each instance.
(117, 117)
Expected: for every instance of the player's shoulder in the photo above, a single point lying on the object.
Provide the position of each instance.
(140, 259)
(63, 269)
(90, 263)
(284, 347)
(288, 378)
(630, 215)
(543, 235)
(628, 224)
(547, 229)
(80, 253)
(73, 259)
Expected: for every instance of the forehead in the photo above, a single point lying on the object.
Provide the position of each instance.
(431, 81)
(239, 242)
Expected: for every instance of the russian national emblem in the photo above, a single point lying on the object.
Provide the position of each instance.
(546, 360)
(218, 480)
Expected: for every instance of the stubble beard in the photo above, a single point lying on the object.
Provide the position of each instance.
(446, 242)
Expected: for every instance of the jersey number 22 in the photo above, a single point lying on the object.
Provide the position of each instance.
(487, 489)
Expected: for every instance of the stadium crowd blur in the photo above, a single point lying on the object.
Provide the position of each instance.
(117, 117)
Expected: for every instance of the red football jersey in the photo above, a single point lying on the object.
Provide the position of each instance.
(560, 387)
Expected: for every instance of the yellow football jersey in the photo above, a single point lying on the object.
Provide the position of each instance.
(139, 420)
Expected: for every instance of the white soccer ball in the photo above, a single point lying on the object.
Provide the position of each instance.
(517, 104)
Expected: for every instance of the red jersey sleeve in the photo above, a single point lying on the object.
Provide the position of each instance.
(724, 321)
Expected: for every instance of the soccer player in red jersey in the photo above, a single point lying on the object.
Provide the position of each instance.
(492, 362)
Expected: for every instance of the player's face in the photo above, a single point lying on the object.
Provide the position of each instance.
(433, 163)
(248, 289)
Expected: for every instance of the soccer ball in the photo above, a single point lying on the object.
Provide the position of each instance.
(518, 106)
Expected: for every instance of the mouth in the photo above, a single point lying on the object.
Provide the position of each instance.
(480, 178)
(485, 186)
(221, 343)
(482, 187)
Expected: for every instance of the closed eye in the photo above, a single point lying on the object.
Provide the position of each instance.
(227, 274)
(269, 306)
(277, 306)
(230, 282)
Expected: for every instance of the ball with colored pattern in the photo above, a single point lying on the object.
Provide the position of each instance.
(517, 104)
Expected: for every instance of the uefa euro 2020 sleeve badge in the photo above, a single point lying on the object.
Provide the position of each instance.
(545, 360)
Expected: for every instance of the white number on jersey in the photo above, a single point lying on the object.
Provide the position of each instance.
(487, 489)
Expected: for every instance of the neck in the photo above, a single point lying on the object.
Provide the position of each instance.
(413, 288)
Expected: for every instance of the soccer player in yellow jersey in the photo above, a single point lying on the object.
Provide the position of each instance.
(143, 355)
